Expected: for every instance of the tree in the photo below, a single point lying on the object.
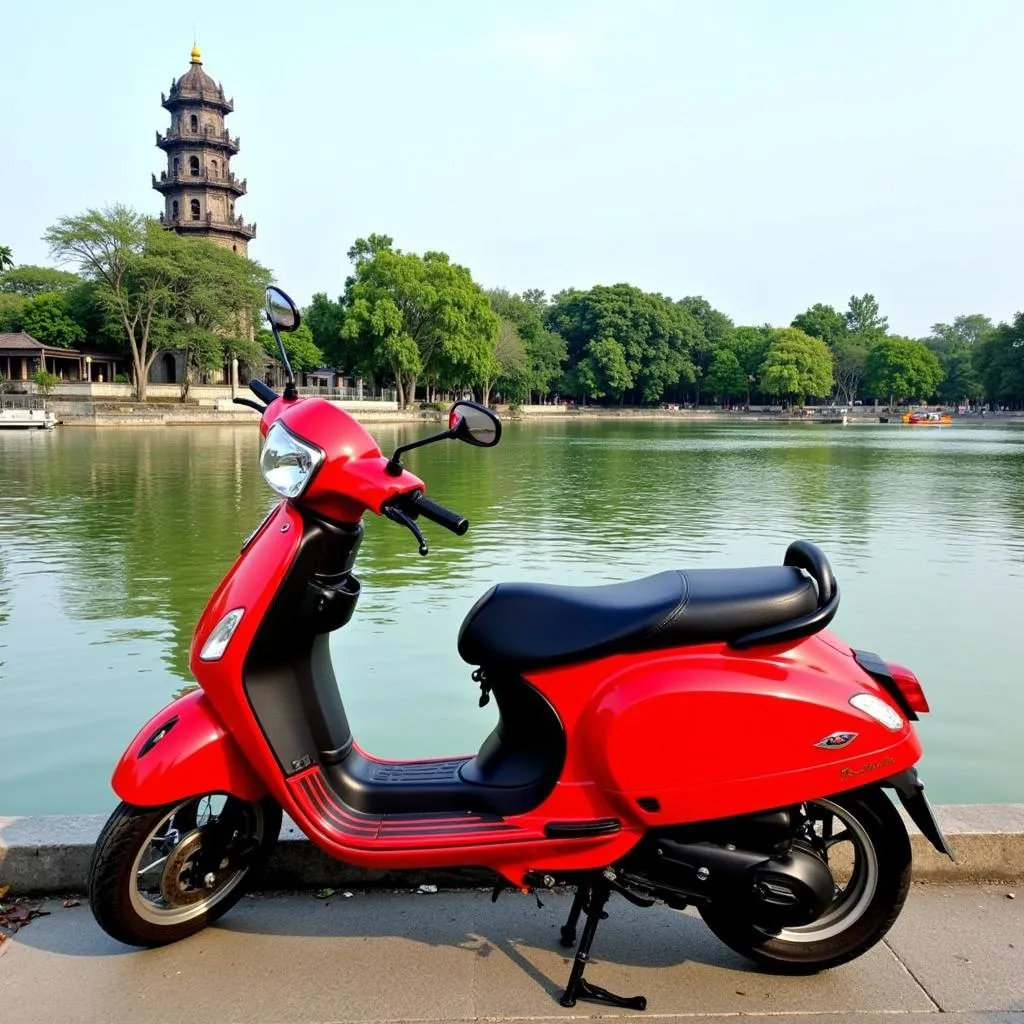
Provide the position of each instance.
(899, 368)
(863, 318)
(797, 365)
(725, 376)
(545, 350)
(821, 321)
(956, 346)
(967, 330)
(326, 319)
(652, 339)
(303, 353)
(999, 362)
(417, 315)
(714, 329)
(46, 318)
(508, 370)
(30, 281)
(6, 257)
(213, 305)
(11, 309)
(127, 255)
(750, 345)
(603, 369)
(849, 359)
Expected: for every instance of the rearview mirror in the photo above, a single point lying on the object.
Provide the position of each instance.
(474, 424)
(281, 311)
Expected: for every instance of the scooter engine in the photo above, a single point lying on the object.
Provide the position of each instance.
(779, 890)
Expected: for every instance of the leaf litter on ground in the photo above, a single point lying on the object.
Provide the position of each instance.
(15, 914)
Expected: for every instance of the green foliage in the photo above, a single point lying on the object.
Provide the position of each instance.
(966, 330)
(124, 253)
(901, 369)
(751, 344)
(725, 377)
(46, 318)
(6, 257)
(212, 306)
(797, 365)
(545, 350)
(621, 339)
(863, 318)
(30, 281)
(11, 308)
(161, 289)
(821, 321)
(303, 353)
(326, 318)
(849, 360)
(45, 381)
(417, 315)
(999, 362)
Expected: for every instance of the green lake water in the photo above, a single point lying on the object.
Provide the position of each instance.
(112, 540)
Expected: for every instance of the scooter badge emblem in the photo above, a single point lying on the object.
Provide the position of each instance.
(837, 740)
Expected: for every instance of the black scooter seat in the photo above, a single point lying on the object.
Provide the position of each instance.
(534, 625)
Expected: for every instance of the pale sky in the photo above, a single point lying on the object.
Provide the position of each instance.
(766, 155)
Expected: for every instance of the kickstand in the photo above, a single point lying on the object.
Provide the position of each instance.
(594, 897)
(567, 936)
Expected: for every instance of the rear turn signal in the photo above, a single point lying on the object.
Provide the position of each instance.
(909, 687)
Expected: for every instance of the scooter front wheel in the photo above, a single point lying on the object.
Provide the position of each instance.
(161, 874)
(863, 840)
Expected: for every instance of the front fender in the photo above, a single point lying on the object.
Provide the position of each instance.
(181, 752)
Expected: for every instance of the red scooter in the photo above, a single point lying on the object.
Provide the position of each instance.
(695, 737)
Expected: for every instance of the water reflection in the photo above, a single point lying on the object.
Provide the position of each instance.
(113, 541)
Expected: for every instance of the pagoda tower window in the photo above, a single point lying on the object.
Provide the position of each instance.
(193, 166)
(195, 209)
(175, 166)
(193, 123)
(174, 209)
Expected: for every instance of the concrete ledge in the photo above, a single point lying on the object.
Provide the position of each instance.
(40, 855)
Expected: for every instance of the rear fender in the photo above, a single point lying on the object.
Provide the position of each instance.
(181, 752)
(910, 790)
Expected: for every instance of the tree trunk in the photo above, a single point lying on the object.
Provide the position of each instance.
(485, 393)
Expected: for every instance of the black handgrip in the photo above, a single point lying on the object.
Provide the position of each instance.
(261, 390)
(439, 514)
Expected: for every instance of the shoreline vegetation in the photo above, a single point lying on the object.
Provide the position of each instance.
(171, 413)
(421, 326)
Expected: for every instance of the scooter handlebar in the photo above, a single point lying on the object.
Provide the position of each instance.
(445, 517)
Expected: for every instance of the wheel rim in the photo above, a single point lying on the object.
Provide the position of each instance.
(163, 876)
(852, 900)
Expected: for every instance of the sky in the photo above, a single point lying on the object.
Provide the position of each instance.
(765, 155)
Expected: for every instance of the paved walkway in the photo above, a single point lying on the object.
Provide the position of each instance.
(286, 959)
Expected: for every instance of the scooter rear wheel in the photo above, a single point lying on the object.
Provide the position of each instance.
(865, 843)
(161, 874)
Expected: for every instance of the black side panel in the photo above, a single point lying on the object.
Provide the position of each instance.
(288, 675)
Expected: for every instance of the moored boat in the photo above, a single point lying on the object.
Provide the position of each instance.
(25, 414)
(923, 418)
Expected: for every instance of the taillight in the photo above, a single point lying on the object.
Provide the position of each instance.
(909, 686)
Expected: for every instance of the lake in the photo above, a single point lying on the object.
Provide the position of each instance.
(112, 540)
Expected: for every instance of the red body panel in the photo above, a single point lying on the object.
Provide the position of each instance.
(706, 731)
(195, 756)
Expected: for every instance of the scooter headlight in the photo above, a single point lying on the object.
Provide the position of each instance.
(288, 463)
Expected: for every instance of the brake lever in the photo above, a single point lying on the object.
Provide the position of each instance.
(396, 515)
(261, 409)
